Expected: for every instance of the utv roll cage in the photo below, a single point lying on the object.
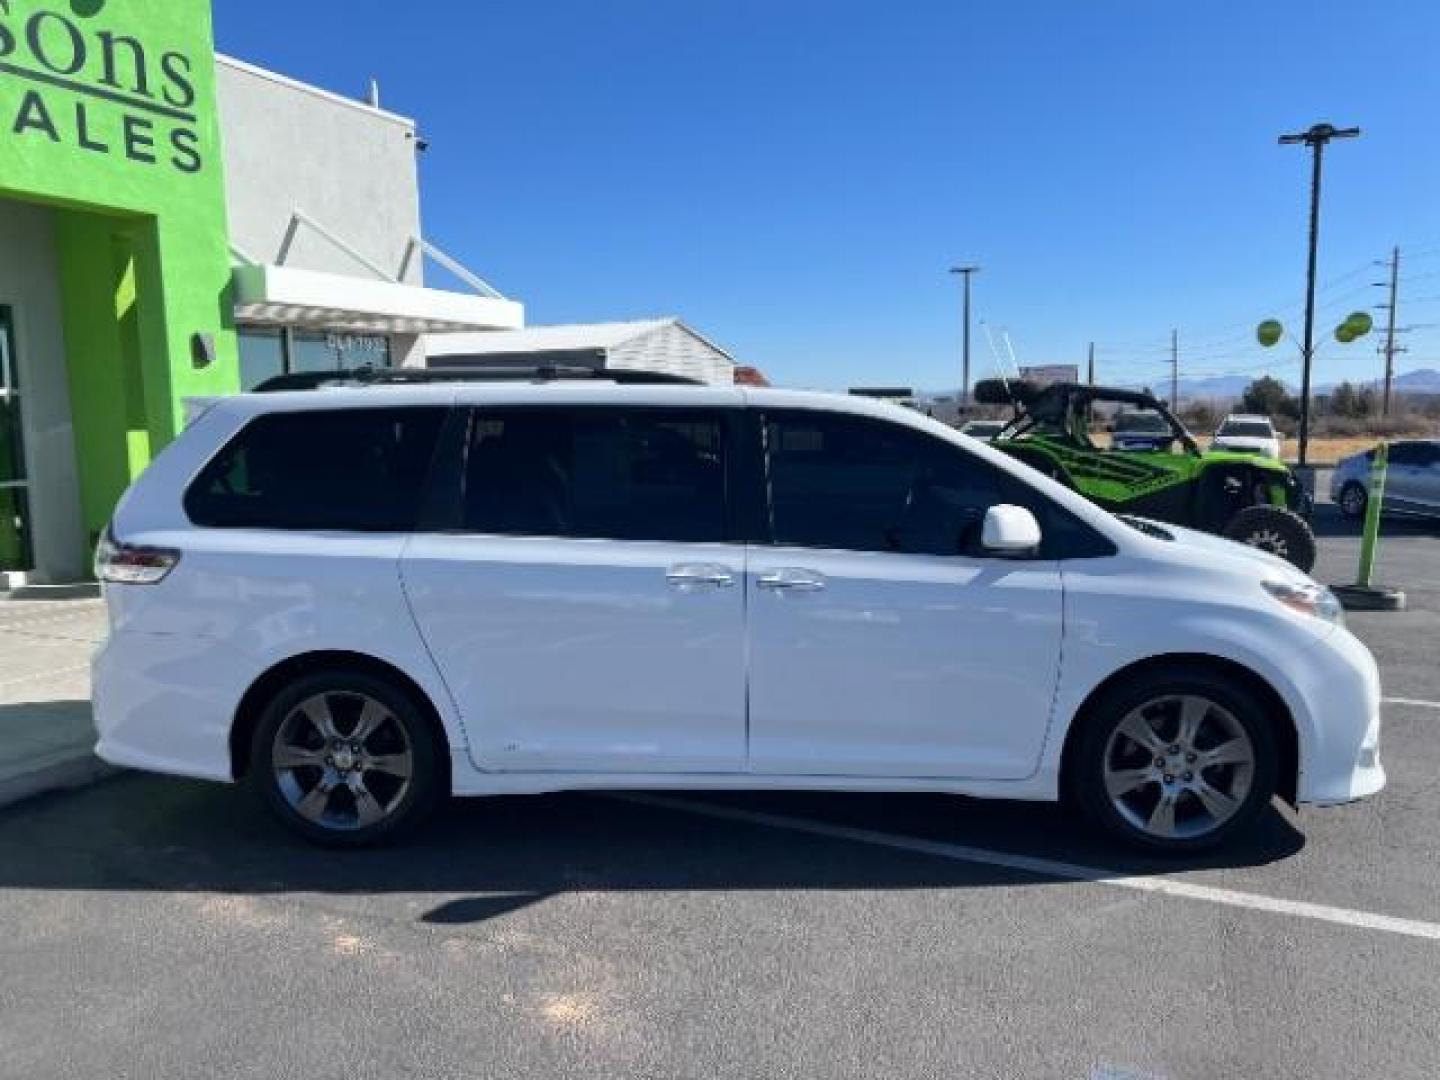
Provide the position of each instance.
(1064, 409)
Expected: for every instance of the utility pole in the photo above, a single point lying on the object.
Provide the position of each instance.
(965, 272)
(1389, 348)
(1317, 138)
(1174, 370)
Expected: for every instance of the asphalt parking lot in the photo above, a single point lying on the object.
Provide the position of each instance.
(164, 928)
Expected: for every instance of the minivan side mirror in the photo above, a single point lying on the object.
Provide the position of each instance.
(1009, 530)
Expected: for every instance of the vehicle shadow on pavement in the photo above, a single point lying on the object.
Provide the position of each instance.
(481, 858)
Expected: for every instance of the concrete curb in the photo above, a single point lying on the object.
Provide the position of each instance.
(84, 590)
(1368, 598)
(66, 769)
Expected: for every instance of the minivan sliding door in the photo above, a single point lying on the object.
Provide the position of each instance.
(585, 603)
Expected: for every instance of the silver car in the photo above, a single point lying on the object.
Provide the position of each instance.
(984, 430)
(1412, 481)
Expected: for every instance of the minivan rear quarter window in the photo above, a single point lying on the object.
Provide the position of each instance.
(360, 470)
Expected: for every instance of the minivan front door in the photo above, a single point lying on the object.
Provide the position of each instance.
(585, 604)
(882, 642)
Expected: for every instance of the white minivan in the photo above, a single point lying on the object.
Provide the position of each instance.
(362, 599)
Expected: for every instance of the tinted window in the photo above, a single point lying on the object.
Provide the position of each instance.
(350, 469)
(636, 474)
(865, 485)
(1406, 453)
(1142, 422)
(1415, 453)
(1250, 429)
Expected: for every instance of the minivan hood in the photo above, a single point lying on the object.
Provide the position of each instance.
(1244, 442)
(1229, 555)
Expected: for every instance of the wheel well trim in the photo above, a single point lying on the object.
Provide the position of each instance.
(274, 678)
(1277, 709)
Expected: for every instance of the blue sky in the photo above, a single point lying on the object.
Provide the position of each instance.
(794, 178)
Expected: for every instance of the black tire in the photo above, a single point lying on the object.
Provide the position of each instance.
(1098, 740)
(403, 740)
(1353, 499)
(1276, 530)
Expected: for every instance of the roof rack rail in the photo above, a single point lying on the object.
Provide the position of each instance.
(541, 373)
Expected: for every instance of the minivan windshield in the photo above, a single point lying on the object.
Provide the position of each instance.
(1141, 422)
(1248, 429)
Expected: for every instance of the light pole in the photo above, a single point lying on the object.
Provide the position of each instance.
(1316, 138)
(965, 272)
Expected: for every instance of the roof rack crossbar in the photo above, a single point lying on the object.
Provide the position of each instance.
(540, 373)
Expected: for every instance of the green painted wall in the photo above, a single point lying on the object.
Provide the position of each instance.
(107, 113)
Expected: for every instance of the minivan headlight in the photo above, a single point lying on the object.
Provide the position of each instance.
(1308, 598)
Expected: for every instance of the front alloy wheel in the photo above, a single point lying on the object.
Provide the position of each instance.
(1174, 760)
(1178, 767)
(1352, 499)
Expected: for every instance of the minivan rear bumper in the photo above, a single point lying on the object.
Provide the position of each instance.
(163, 704)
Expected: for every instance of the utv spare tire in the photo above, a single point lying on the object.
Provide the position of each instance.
(1276, 530)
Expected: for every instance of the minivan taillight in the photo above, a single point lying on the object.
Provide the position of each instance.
(132, 564)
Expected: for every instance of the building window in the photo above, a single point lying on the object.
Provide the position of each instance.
(311, 351)
(262, 355)
(15, 551)
(267, 351)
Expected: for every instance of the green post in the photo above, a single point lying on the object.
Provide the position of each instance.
(1371, 533)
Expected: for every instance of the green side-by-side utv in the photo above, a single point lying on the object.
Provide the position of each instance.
(1244, 497)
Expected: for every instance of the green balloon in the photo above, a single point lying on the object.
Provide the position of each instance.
(1269, 332)
(1345, 334)
(1360, 322)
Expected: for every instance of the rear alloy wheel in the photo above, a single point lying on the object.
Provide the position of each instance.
(1353, 498)
(1176, 764)
(345, 759)
(1276, 530)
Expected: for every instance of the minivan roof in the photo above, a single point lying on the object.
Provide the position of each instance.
(477, 373)
(582, 392)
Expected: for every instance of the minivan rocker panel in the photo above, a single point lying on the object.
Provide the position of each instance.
(540, 663)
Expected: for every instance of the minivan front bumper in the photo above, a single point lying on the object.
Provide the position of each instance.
(1340, 746)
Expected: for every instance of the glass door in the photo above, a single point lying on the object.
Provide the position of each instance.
(15, 553)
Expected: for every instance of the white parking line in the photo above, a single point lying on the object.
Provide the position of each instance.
(1416, 702)
(1363, 920)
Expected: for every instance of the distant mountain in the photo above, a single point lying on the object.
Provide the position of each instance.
(1419, 381)
(1220, 387)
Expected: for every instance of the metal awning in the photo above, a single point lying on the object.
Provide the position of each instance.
(288, 296)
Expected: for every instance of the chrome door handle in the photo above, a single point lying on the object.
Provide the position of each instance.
(792, 579)
(693, 575)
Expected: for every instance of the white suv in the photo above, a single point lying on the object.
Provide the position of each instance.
(1247, 434)
(364, 599)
